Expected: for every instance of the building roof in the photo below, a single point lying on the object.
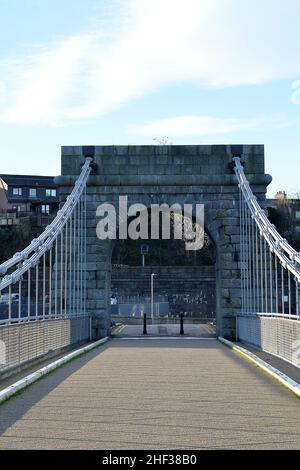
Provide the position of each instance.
(29, 180)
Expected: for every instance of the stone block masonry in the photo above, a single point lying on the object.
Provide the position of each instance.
(190, 289)
(167, 174)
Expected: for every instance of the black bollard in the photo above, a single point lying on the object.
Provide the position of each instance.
(145, 324)
(181, 324)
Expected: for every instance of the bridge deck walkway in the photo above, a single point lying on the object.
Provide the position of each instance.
(153, 393)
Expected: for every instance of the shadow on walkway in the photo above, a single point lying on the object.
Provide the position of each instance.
(14, 408)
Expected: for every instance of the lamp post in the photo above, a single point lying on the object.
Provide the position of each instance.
(152, 299)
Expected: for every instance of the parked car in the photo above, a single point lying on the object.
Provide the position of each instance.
(4, 299)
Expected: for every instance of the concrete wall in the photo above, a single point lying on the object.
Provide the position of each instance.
(275, 335)
(23, 343)
(157, 174)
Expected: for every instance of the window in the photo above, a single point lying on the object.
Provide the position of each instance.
(45, 209)
(32, 192)
(50, 192)
(17, 191)
(297, 215)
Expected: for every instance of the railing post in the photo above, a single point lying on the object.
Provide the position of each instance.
(181, 324)
(90, 327)
(145, 324)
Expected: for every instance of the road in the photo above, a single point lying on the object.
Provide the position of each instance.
(204, 330)
(153, 394)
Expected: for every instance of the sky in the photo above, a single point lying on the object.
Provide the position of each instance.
(109, 72)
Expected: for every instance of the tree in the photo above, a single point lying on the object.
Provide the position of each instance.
(282, 216)
(16, 237)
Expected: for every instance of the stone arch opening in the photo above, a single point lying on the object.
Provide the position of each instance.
(185, 280)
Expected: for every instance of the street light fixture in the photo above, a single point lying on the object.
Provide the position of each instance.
(144, 251)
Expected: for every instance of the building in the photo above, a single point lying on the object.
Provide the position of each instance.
(7, 214)
(31, 195)
(4, 204)
(290, 206)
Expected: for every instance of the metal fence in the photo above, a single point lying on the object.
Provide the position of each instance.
(274, 334)
(43, 288)
(24, 342)
(137, 309)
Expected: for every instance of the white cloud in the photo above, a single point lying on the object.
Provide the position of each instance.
(2, 93)
(43, 82)
(296, 92)
(154, 43)
(183, 126)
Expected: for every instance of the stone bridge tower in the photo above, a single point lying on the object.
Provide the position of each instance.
(158, 174)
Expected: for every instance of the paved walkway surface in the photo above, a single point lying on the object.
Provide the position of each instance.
(154, 393)
(203, 330)
(280, 364)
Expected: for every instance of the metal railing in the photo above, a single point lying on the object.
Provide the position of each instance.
(270, 277)
(25, 342)
(48, 278)
(270, 267)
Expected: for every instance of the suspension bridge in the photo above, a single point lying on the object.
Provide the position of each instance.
(159, 392)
